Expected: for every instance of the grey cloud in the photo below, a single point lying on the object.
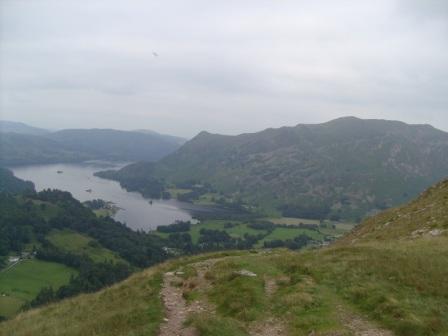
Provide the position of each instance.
(226, 67)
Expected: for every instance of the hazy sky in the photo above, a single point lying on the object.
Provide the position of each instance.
(224, 66)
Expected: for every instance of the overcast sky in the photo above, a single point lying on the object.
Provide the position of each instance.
(233, 66)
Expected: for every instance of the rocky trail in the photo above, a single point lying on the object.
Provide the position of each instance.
(178, 310)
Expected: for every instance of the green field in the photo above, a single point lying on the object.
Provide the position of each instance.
(284, 233)
(292, 221)
(23, 281)
(279, 233)
(79, 244)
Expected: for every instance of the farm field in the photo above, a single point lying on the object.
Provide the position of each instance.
(237, 229)
(22, 282)
(79, 244)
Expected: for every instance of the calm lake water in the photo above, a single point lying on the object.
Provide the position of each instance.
(135, 211)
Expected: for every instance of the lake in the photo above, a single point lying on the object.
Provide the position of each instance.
(135, 211)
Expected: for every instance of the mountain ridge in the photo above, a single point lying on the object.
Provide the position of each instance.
(343, 169)
(7, 126)
(77, 145)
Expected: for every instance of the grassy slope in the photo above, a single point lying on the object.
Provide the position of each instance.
(71, 241)
(382, 272)
(23, 281)
(132, 307)
(392, 284)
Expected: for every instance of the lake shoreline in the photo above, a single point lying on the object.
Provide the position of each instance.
(135, 211)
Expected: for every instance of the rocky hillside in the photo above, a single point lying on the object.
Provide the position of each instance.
(344, 168)
(424, 217)
(366, 284)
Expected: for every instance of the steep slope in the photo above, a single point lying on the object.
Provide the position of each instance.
(346, 167)
(377, 285)
(426, 216)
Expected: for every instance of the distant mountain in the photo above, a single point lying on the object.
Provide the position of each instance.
(347, 167)
(115, 145)
(78, 145)
(19, 149)
(170, 138)
(21, 128)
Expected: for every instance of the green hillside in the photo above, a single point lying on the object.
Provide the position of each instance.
(393, 283)
(53, 247)
(345, 168)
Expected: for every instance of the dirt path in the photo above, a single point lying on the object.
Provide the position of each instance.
(270, 286)
(359, 326)
(270, 326)
(177, 309)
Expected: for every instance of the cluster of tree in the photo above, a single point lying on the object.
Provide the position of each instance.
(234, 205)
(182, 241)
(19, 220)
(190, 196)
(96, 204)
(148, 186)
(178, 226)
(262, 225)
(293, 244)
(220, 213)
(91, 277)
(302, 210)
(218, 240)
(197, 190)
